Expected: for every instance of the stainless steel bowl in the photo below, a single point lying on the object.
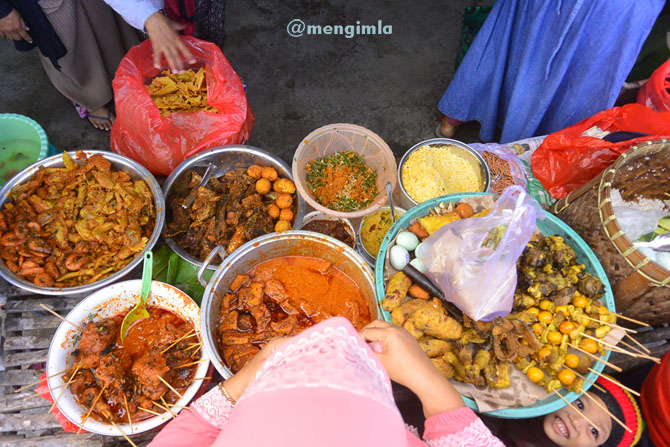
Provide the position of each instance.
(290, 243)
(408, 201)
(230, 157)
(136, 171)
(371, 258)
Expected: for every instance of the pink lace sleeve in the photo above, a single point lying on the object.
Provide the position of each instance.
(458, 428)
(213, 407)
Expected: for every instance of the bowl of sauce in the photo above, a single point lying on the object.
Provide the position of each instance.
(339, 228)
(372, 230)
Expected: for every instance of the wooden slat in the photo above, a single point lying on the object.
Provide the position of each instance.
(24, 358)
(70, 440)
(33, 305)
(14, 343)
(20, 422)
(20, 376)
(19, 402)
(29, 323)
(659, 333)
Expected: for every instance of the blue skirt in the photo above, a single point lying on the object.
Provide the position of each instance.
(538, 66)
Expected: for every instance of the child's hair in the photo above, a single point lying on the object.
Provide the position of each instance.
(622, 405)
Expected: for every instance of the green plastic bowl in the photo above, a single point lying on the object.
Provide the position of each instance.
(551, 225)
(22, 143)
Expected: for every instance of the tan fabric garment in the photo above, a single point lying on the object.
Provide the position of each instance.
(96, 39)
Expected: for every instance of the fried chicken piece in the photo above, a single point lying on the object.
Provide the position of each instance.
(472, 336)
(409, 327)
(396, 291)
(437, 323)
(443, 367)
(497, 374)
(401, 313)
(479, 364)
(459, 369)
(434, 347)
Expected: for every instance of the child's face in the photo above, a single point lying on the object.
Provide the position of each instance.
(569, 429)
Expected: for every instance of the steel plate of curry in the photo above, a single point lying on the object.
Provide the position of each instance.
(120, 381)
(282, 297)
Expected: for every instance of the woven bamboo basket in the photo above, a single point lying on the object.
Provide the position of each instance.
(641, 287)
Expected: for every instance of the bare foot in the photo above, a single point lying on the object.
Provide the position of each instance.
(447, 129)
(101, 118)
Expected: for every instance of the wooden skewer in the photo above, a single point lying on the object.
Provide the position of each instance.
(615, 348)
(178, 406)
(194, 352)
(625, 329)
(167, 407)
(587, 380)
(595, 357)
(169, 386)
(633, 320)
(194, 345)
(630, 390)
(121, 431)
(53, 312)
(163, 408)
(191, 363)
(576, 410)
(95, 401)
(149, 411)
(642, 354)
(639, 344)
(604, 408)
(64, 388)
(130, 421)
(188, 335)
(201, 378)
(42, 380)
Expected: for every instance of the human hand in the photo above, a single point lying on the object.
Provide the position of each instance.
(165, 40)
(236, 385)
(408, 365)
(13, 27)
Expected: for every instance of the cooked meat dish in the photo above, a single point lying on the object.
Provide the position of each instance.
(128, 372)
(282, 297)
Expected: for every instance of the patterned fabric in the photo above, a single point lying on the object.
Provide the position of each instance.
(332, 358)
(474, 435)
(213, 407)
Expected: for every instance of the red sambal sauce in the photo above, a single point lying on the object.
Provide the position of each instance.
(282, 297)
(129, 371)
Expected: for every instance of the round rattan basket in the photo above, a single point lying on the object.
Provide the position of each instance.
(641, 287)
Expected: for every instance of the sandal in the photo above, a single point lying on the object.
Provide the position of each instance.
(101, 118)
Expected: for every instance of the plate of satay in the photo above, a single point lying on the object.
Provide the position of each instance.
(119, 386)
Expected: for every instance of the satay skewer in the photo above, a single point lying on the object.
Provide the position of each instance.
(189, 334)
(200, 378)
(53, 312)
(615, 348)
(576, 410)
(108, 416)
(95, 401)
(191, 363)
(167, 407)
(641, 353)
(69, 381)
(194, 352)
(42, 380)
(193, 346)
(169, 386)
(633, 320)
(595, 357)
(130, 421)
(604, 408)
(612, 325)
(644, 348)
(616, 382)
(595, 385)
(149, 411)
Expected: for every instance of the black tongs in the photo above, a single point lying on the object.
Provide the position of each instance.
(427, 285)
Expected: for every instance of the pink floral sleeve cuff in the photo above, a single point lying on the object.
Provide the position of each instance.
(458, 428)
(213, 407)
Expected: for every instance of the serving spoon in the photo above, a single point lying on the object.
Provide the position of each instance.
(139, 312)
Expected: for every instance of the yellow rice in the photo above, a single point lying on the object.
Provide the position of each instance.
(435, 171)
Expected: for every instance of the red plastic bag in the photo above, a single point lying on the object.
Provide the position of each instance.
(567, 159)
(654, 93)
(160, 144)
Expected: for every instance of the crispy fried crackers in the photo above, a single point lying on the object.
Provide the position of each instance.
(180, 92)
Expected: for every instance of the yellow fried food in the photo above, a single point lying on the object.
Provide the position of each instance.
(284, 201)
(274, 211)
(409, 327)
(270, 173)
(254, 171)
(286, 214)
(437, 323)
(401, 313)
(417, 292)
(180, 92)
(434, 223)
(282, 225)
(396, 291)
(434, 347)
(263, 186)
(443, 367)
(283, 185)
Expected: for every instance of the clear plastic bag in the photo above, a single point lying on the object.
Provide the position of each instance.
(473, 261)
(506, 154)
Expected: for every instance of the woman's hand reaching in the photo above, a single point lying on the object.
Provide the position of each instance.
(13, 27)
(165, 41)
(408, 365)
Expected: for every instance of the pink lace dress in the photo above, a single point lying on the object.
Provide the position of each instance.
(323, 388)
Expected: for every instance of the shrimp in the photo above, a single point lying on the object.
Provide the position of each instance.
(11, 240)
(75, 262)
(43, 280)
